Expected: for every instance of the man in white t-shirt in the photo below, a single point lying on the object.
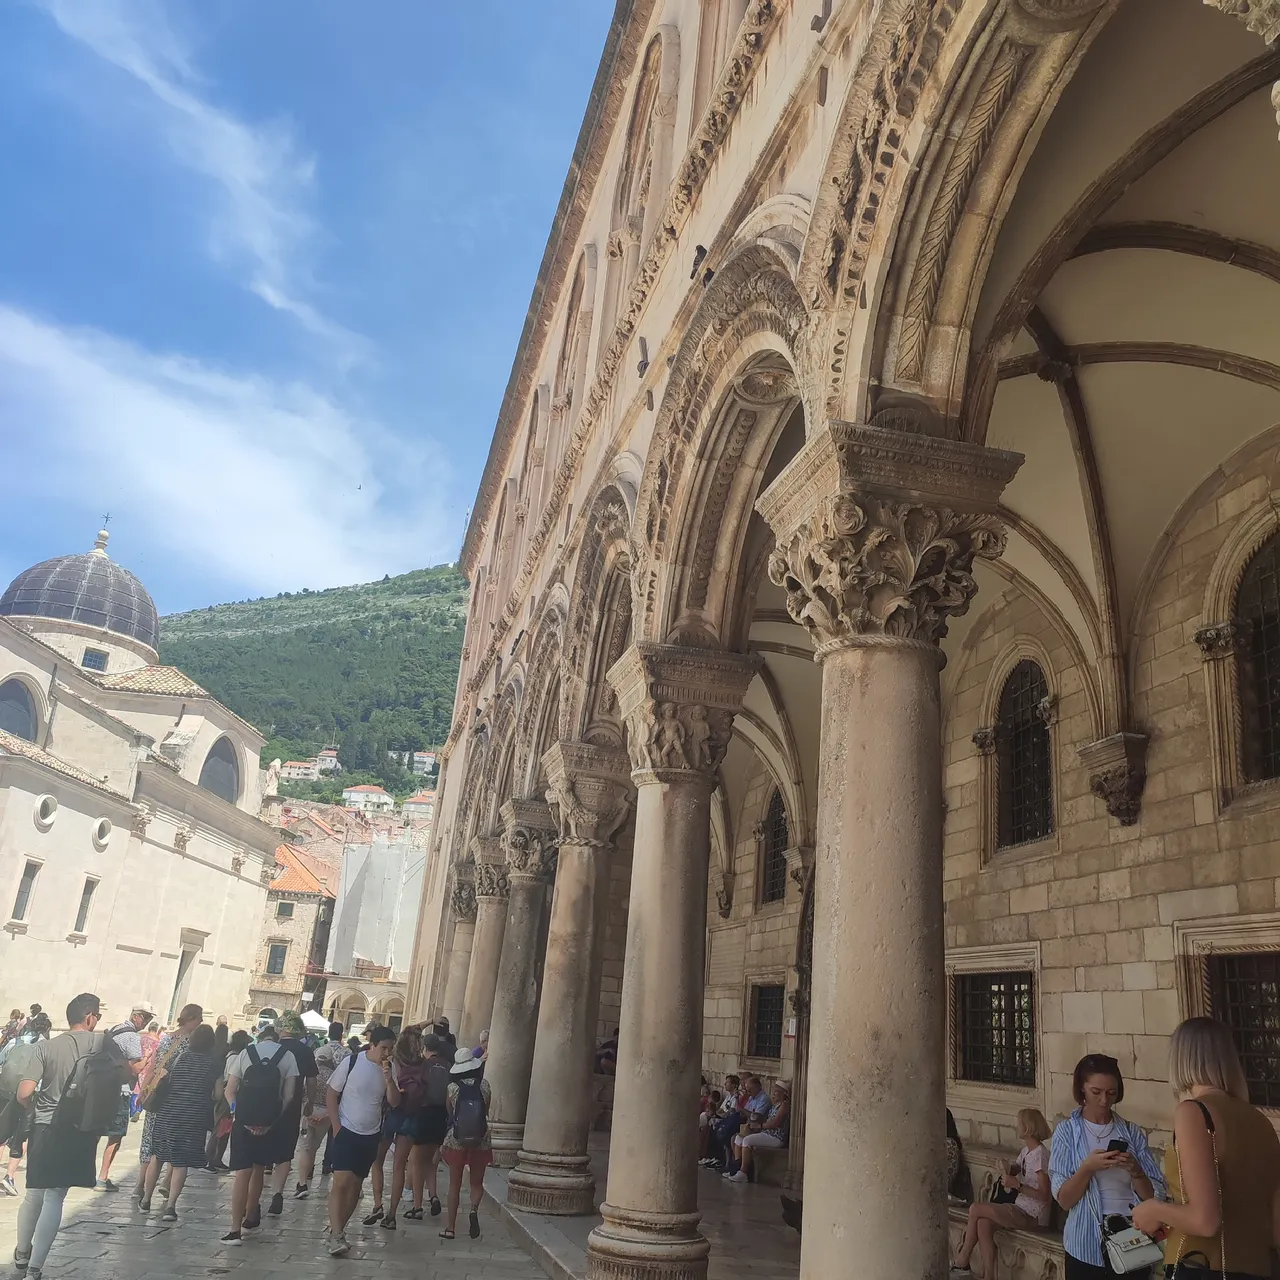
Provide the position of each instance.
(251, 1140)
(354, 1101)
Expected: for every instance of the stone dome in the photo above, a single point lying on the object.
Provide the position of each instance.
(90, 589)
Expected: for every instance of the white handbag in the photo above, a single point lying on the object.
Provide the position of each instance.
(1128, 1249)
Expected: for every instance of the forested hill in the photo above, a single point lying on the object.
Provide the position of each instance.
(374, 666)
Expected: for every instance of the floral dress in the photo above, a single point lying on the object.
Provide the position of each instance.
(168, 1051)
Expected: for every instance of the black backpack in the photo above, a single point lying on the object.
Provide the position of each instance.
(90, 1098)
(437, 1084)
(258, 1098)
(470, 1115)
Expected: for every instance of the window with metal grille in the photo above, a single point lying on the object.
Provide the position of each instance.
(773, 856)
(1023, 776)
(86, 901)
(275, 957)
(1245, 991)
(1258, 647)
(94, 660)
(766, 1022)
(996, 1028)
(22, 900)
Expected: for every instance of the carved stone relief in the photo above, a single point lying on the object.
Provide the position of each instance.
(1218, 640)
(589, 791)
(1118, 773)
(491, 881)
(529, 840)
(462, 899)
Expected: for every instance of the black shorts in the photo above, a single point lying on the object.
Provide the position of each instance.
(432, 1127)
(354, 1152)
(251, 1149)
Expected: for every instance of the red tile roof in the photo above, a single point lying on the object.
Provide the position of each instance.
(364, 786)
(154, 680)
(301, 874)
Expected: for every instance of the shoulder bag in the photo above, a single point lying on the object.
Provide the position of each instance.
(1125, 1249)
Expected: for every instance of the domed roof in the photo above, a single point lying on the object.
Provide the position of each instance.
(90, 589)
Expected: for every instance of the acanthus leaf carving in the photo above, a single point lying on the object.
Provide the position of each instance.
(1218, 639)
(462, 899)
(1262, 17)
(589, 792)
(530, 853)
(491, 880)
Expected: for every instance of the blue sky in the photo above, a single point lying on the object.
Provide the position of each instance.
(263, 267)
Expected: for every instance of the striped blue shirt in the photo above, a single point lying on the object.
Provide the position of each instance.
(1082, 1236)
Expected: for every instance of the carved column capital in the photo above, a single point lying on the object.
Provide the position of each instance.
(1262, 17)
(679, 704)
(984, 740)
(589, 791)
(1218, 639)
(724, 882)
(1118, 773)
(529, 839)
(490, 867)
(878, 531)
(799, 865)
(462, 897)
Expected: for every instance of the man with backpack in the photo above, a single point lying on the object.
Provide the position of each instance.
(73, 1083)
(329, 1057)
(128, 1037)
(354, 1100)
(261, 1083)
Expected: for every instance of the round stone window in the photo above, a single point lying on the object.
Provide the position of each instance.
(101, 833)
(46, 809)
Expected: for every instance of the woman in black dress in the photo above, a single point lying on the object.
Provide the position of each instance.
(185, 1119)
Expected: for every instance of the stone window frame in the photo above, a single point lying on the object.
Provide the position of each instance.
(1019, 648)
(759, 834)
(765, 1068)
(977, 1095)
(272, 943)
(1216, 637)
(1196, 940)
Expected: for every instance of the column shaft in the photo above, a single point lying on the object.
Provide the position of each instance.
(482, 975)
(459, 965)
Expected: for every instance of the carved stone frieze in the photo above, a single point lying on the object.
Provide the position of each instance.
(679, 704)
(491, 881)
(1061, 12)
(529, 839)
(462, 898)
(878, 532)
(1262, 17)
(589, 791)
(1118, 773)
(139, 822)
(724, 881)
(182, 838)
(1218, 639)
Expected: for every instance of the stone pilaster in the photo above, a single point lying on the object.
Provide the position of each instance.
(589, 791)
(529, 841)
(877, 535)
(678, 705)
(486, 946)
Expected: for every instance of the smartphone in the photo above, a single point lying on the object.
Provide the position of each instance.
(1117, 1144)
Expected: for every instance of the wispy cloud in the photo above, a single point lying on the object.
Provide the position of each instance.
(268, 484)
(261, 225)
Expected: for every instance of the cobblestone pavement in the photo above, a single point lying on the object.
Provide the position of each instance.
(104, 1237)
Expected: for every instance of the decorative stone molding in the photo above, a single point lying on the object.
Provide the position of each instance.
(678, 705)
(237, 863)
(1047, 709)
(462, 898)
(1262, 17)
(1218, 639)
(878, 530)
(724, 882)
(985, 741)
(1118, 773)
(1064, 12)
(589, 791)
(139, 822)
(491, 881)
(182, 838)
(529, 839)
(268, 872)
(799, 865)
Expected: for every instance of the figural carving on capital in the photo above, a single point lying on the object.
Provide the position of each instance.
(878, 531)
(678, 705)
(491, 880)
(589, 792)
(462, 898)
(529, 842)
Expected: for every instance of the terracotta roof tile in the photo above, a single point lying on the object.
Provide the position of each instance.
(154, 680)
(12, 745)
(301, 874)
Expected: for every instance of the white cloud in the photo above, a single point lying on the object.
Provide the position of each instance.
(267, 484)
(261, 226)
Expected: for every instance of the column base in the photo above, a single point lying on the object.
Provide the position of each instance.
(507, 1139)
(546, 1182)
(633, 1245)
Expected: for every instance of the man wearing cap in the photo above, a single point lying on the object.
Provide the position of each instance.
(128, 1036)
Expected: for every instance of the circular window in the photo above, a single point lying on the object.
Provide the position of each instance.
(46, 809)
(101, 833)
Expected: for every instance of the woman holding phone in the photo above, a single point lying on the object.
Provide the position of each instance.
(1100, 1165)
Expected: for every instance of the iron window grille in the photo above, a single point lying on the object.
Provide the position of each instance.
(996, 1028)
(1258, 621)
(1023, 765)
(94, 660)
(766, 1021)
(1245, 994)
(275, 957)
(773, 871)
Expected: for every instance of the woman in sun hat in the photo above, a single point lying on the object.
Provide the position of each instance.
(467, 1145)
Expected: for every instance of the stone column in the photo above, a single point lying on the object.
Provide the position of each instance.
(679, 706)
(590, 794)
(530, 843)
(462, 901)
(486, 942)
(877, 535)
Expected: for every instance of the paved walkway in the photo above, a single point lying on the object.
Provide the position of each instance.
(104, 1237)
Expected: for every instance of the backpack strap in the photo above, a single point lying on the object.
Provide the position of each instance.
(254, 1056)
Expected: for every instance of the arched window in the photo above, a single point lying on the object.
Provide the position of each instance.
(17, 710)
(1023, 765)
(1258, 625)
(773, 851)
(221, 771)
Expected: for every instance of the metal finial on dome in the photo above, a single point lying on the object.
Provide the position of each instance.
(100, 547)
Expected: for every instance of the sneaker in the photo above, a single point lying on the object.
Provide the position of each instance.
(301, 1191)
(232, 1237)
(107, 1185)
(169, 1215)
(22, 1260)
(7, 1186)
(338, 1246)
(252, 1224)
(276, 1207)
(707, 1162)
(34, 1273)
(145, 1206)
(740, 1176)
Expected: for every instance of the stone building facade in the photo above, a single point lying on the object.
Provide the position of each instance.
(876, 604)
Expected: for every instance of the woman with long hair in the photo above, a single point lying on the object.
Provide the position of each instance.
(408, 1070)
(1222, 1168)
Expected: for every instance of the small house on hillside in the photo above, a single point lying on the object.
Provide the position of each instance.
(368, 799)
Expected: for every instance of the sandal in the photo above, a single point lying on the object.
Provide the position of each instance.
(389, 1222)
(447, 1234)
(475, 1225)
(435, 1206)
(375, 1217)
(414, 1215)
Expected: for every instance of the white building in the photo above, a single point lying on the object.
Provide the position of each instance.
(131, 860)
(327, 761)
(422, 806)
(368, 799)
(300, 770)
(423, 762)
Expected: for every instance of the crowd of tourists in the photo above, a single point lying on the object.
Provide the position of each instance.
(248, 1105)
(740, 1120)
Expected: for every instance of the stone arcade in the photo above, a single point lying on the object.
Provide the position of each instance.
(876, 578)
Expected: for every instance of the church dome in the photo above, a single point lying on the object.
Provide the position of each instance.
(90, 589)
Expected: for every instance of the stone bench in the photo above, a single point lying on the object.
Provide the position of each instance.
(770, 1165)
(1021, 1255)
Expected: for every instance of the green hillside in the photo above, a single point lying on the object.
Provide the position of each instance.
(373, 666)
